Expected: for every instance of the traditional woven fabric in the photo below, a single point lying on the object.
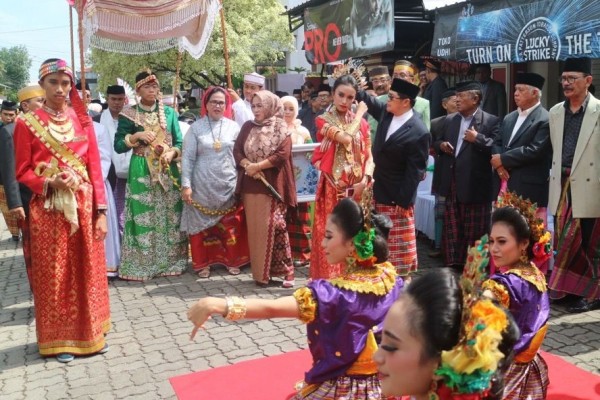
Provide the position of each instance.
(152, 243)
(270, 253)
(463, 225)
(299, 230)
(576, 263)
(70, 290)
(142, 27)
(327, 197)
(11, 220)
(225, 243)
(345, 387)
(402, 240)
(526, 381)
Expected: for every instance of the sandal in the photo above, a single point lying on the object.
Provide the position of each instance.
(233, 270)
(104, 349)
(204, 273)
(65, 358)
(262, 284)
(288, 283)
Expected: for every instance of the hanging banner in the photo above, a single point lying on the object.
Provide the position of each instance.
(541, 31)
(342, 29)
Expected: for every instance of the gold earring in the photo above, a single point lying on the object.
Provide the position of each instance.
(432, 394)
(524, 258)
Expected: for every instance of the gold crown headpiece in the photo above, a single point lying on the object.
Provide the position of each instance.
(527, 209)
(352, 67)
(470, 365)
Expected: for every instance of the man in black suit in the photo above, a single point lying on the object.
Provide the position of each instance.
(400, 152)
(436, 86)
(18, 195)
(8, 113)
(494, 93)
(466, 176)
(522, 151)
(308, 115)
(437, 132)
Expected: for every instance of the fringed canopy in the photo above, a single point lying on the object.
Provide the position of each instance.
(148, 26)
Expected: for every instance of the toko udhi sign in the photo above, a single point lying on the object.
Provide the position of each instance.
(540, 31)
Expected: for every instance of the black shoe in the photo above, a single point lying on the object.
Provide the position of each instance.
(584, 306)
(566, 301)
(16, 238)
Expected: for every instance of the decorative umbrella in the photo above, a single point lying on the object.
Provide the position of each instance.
(147, 26)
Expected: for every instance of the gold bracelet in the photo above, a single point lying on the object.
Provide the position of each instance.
(236, 308)
(128, 142)
(176, 150)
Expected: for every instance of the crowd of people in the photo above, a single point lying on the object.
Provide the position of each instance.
(128, 195)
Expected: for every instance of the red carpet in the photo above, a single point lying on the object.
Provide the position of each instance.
(273, 378)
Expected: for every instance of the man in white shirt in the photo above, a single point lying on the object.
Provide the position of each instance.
(115, 97)
(242, 111)
(521, 153)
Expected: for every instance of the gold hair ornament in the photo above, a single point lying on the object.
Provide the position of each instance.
(352, 67)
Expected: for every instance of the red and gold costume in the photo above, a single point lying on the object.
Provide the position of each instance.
(69, 283)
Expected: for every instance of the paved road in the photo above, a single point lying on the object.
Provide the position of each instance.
(149, 341)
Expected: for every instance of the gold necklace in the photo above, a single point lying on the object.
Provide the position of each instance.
(216, 142)
(62, 131)
(59, 115)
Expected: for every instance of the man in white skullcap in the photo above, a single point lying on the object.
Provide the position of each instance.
(253, 82)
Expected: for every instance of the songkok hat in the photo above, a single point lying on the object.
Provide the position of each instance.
(404, 64)
(406, 88)
(115, 89)
(255, 79)
(323, 87)
(468, 85)
(378, 70)
(297, 91)
(9, 105)
(433, 65)
(78, 86)
(29, 92)
(583, 64)
(449, 93)
(531, 79)
(314, 95)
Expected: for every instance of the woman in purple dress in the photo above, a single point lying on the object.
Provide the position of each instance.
(342, 314)
(517, 239)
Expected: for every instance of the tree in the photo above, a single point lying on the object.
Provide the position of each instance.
(257, 32)
(14, 70)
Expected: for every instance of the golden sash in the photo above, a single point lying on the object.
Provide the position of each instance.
(57, 148)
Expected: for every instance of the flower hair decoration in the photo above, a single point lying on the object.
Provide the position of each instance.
(469, 366)
(541, 238)
(352, 67)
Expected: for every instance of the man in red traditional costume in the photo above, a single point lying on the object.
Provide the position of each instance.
(57, 158)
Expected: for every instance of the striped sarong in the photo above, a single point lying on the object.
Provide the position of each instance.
(11, 221)
(402, 240)
(577, 261)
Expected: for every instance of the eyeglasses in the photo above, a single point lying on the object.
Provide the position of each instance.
(403, 75)
(390, 97)
(323, 96)
(216, 103)
(569, 79)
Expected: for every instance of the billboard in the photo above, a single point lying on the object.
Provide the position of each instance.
(341, 29)
(546, 30)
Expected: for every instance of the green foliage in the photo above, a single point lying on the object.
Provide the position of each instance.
(257, 33)
(14, 70)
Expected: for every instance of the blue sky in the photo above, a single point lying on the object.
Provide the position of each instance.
(40, 25)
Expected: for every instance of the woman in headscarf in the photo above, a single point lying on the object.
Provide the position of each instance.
(57, 158)
(345, 161)
(212, 219)
(152, 242)
(299, 218)
(263, 155)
